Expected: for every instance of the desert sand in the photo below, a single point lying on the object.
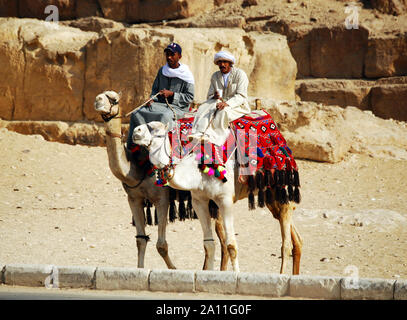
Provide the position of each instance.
(61, 205)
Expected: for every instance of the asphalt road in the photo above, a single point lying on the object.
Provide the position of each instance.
(34, 293)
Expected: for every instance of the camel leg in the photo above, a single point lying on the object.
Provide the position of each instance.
(225, 208)
(201, 209)
(162, 246)
(285, 226)
(137, 209)
(297, 248)
(220, 231)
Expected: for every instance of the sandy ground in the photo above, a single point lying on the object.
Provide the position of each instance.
(60, 204)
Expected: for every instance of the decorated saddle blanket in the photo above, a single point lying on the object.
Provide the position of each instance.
(259, 148)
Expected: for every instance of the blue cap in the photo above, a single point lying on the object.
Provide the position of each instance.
(174, 47)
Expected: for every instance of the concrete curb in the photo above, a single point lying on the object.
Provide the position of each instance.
(108, 278)
(317, 287)
(223, 282)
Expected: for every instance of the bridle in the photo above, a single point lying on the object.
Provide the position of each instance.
(167, 172)
(108, 116)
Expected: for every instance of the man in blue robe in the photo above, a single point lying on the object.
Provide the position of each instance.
(174, 82)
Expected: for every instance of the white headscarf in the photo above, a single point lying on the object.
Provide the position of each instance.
(224, 55)
(181, 72)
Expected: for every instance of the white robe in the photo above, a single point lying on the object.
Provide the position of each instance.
(235, 95)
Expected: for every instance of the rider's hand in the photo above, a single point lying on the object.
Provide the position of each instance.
(221, 105)
(166, 93)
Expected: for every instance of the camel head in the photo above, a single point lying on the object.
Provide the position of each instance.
(107, 104)
(153, 136)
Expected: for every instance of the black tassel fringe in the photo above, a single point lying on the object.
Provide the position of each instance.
(296, 182)
(148, 219)
(284, 196)
(251, 201)
(190, 210)
(269, 196)
(155, 217)
(213, 209)
(290, 192)
(297, 195)
(260, 198)
(252, 183)
(173, 211)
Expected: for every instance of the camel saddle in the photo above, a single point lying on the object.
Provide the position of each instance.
(268, 162)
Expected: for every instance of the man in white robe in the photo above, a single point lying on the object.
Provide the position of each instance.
(227, 101)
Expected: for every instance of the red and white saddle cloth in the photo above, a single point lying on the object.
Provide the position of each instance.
(260, 150)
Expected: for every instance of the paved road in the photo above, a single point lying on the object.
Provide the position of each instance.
(30, 293)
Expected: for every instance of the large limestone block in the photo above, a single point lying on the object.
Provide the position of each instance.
(12, 62)
(36, 8)
(336, 92)
(50, 61)
(274, 69)
(327, 133)
(140, 10)
(338, 52)
(312, 131)
(386, 56)
(71, 133)
(8, 8)
(386, 97)
(394, 7)
(119, 10)
(390, 101)
(300, 44)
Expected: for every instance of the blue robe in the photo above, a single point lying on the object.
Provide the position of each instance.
(158, 110)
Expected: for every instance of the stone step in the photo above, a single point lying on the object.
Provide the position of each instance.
(385, 97)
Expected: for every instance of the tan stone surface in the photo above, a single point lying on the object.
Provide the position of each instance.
(328, 133)
(386, 56)
(390, 101)
(394, 7)
(47, 63)
(385, 97)
(119, 10)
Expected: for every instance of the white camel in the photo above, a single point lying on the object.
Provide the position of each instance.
(186, 175)
(137, 184)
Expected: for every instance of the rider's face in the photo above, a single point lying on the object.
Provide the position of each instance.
(172, 58)
(224, 66)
